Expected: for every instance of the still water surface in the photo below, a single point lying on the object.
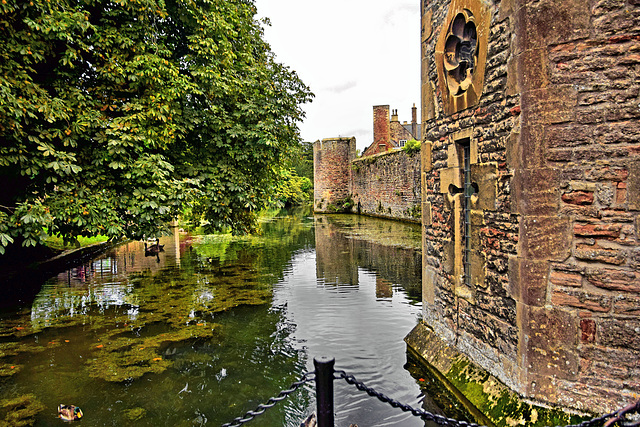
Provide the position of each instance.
(215, 325)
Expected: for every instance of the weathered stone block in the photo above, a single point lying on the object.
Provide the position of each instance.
(426, 214)
(595, 252)
(533, 69)
(552, 336)
(448, 256)
(549, 105)
(528, 281)
(448, 177)
(588, 328)
(597, 230)
(426, 159)
(614, 279)
(626, 305)
(579, 198)
(485, 175)
(633, 185)
(546, 22)
(535, 191)
(429, 282)
(562, 277)
(620, 333)
(545, 238)
(581, 299)
(550, 328)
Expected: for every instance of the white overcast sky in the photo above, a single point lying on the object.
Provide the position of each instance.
(353, 54)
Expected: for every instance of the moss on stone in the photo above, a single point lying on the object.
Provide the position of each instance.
(497, 402)
(501, 406)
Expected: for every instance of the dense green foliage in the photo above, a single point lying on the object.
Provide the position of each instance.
(292, 189)
(295, 184)
(302, 160)
(411, 147)
(114, 116)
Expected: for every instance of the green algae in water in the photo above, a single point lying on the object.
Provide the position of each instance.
(7, 369)
(134, 414)
(20, 411)
(124, 358)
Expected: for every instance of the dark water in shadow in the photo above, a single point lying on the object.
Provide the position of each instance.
(214, 325)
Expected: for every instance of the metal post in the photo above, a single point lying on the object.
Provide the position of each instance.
(324, 390)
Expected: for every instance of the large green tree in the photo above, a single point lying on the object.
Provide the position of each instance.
(115, 115)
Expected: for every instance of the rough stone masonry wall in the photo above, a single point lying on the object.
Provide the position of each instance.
(481, 321)
(554, 307)
(387, 185)
(332, 172)
(577, 190)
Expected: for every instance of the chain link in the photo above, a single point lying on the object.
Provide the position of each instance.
(618, 417)
(306, 377)
(425, 415)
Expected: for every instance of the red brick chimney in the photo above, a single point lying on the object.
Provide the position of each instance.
(381, 128)
(414, 121)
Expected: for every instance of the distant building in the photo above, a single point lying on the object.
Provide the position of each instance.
(390, 134)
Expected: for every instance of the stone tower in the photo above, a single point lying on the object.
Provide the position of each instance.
(332, 172)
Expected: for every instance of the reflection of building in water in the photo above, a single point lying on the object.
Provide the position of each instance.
(334, 255)
(342, 247)
(384, 288)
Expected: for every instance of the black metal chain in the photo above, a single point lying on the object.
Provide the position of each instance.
(616, 417)
(306, 377)
(425, 415)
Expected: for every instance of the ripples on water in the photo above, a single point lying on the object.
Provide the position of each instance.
(214, 325)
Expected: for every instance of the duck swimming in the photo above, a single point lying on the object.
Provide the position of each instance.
(69, 412)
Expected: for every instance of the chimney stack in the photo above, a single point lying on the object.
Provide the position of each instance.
(414, 121)
(381, 128)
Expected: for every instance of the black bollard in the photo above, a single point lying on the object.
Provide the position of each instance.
(324, 390)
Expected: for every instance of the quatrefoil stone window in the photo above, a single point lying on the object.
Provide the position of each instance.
(460, 53)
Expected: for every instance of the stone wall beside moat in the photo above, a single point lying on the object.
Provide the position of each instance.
(531, 193)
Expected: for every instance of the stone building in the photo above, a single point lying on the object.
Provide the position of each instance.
(383, 182)
(390, 134)
(531, 193)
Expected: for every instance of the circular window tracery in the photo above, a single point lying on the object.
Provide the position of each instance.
(461, 52)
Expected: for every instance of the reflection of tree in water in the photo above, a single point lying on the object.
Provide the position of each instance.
(127, 317)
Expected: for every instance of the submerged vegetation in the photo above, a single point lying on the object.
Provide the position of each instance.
(20, 411)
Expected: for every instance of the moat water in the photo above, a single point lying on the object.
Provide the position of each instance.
(215, 325)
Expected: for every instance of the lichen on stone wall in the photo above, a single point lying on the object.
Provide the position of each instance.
(487, 394)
